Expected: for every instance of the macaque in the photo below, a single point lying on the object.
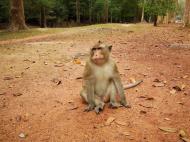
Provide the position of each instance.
(101, 80)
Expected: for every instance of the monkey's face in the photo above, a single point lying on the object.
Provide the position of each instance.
(100, 54)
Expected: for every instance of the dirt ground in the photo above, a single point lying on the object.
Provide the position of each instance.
(40, 85)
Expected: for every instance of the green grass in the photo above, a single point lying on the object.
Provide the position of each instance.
(5, 35)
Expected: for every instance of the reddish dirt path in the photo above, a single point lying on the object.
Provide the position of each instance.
(44, 110)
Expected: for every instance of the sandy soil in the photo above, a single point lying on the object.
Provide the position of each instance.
(40, 85)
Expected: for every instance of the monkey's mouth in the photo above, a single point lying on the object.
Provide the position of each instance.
(99, 61)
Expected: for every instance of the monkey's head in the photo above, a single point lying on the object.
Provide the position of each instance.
(99, 53)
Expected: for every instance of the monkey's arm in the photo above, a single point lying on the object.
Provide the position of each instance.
(119, 87)
(88, 85)
(131, 85)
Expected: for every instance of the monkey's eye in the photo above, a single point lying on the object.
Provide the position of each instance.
(93, 49)
(99, 48)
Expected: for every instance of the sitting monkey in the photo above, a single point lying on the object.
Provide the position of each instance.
(102, 80)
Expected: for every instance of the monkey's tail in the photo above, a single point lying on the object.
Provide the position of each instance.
(131, 85)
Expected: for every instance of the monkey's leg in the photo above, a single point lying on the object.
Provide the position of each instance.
(112, 93)
(99, 105)
(83, 95)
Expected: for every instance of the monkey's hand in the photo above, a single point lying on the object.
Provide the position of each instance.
(90, 107)
(125, 104)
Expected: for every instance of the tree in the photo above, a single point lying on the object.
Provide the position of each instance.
(17, 18)
(44, 5)
(78, 11)
(90, 11)
(106, 10)
(187, 13)
(4, 8)
(156, 8)
(142, 5)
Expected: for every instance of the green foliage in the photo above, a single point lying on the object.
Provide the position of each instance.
(4, 10)
(159, 7)
(65, 10)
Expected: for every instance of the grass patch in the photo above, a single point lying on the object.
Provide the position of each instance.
(5, 35)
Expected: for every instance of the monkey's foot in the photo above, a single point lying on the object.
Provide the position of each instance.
(127, 106)
(99, 108)
(89, 108)
(114, 105)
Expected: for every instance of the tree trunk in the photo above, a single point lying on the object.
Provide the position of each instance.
(155, 20)
(43, 17)
(142, 17)
(187, 13)
(78, 11)
(111, 17)
(17, 18)
(106, 10)
(90, 11)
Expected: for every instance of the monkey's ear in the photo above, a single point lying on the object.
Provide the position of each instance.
(110, 47)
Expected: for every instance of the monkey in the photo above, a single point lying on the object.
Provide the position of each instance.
(101, 80)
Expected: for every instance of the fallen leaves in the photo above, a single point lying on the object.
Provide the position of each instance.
(109, 121)
(2, 93)
(22, 135)
(183, 136)
(17, 94)
(7, 78)
(145, 106)
(168, 129)
(143, 112)
(159, 84)
(56, 81)
(77, 61)
(185, 139)
(120, 123)
(182, 133)
(173, 91)
(72, 105)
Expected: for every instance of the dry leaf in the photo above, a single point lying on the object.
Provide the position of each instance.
(56, 81)
(182, 133)
(185, 76)
(17, 94)
(60, 65)
(79, 77)
(185, 139)
(7, 78)
(168, 129)
(167, 119)
(132, 80)
(145, 106)
(156, 80)
(183, 87)
(3, 93)
(158, 85)
(127, 68)
(177, 88)
(77, 61)
(120, 123)
(150, 98)
(22, 135)
(142, 112)
(73, 107)
(109, 121)
(173, 91)
(181, 103)
(125, 133)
